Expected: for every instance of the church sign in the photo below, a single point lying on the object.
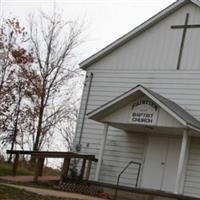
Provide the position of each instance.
(144, 111)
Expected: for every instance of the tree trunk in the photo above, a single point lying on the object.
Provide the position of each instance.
(39, 130)
(15, 129)
(38, 133)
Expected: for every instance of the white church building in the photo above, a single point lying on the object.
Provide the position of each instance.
(141, 103)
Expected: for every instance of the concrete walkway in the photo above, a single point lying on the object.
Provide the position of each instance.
(53, 193)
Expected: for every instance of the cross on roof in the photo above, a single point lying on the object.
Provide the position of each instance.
(184, 27)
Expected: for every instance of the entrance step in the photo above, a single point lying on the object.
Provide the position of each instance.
(130, 193)
(123, 195)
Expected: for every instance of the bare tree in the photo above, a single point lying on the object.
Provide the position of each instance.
(38, 86)
(13, 54)
(17, 123)
(67, 129)
(54, 42)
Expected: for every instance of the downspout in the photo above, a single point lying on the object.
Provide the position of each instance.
(90, 77)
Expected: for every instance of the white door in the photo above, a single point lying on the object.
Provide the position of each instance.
(171, 164)
(161, 163)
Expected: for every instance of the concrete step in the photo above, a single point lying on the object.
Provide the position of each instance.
(127, 195)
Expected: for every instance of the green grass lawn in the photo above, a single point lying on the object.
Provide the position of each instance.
(6, 170)
(10, 193)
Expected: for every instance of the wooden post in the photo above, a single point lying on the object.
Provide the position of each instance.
(83, 168)
(88, 169)
(100, 159)
(40, 166)
(65, 167)
(35, 178)
(15, 164)
(181, 161)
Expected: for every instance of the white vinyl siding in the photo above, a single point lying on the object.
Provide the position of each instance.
(192, 176)
(120, 149)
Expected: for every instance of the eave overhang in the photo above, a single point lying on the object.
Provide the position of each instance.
(173, 109)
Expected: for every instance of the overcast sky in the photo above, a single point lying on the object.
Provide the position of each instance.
(106, 20)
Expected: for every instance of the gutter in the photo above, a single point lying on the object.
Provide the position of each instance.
(90, 77)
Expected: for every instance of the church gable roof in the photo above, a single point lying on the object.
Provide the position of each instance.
(183, 114)
(136, 31)
(169, 106)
